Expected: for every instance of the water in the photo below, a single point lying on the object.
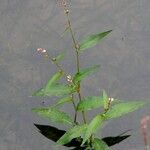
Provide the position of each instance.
(124, 57)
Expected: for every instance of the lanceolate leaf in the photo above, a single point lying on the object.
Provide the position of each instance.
(59, 90)
(121, 109)
(94, 125)
(53, 115)
(55, 90)
(90, 103)
(92, 40)
(85, 72)
(53, 81)
(59, 57)
(98, 144)
(76, 131)
(63, 100)
(39, 92)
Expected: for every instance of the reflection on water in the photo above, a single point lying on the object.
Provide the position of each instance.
(124, 58)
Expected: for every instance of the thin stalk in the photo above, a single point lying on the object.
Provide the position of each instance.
(61, 69)
(75, 116)
(76, 46)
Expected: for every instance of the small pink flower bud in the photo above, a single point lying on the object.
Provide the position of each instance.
(39, 49)
(44, 51)
(111, 99)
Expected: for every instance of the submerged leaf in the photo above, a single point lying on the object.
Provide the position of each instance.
(85, 72)
(53, 115)
(92, 40)
(90, 103)
(76, 131)
(121, 109)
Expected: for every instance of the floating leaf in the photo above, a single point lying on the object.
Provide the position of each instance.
(98, 144)
(92, 40)
(84, 73)
(90, 103)
(53, 115)
(123, 108)
(74, 132)
(94, 125)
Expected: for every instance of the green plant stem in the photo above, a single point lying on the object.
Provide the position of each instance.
(61, 69)
(77, 61)
(75, 116)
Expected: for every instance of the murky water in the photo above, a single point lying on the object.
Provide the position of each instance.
(124, 57)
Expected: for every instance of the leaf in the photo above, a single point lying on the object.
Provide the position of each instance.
(85, 72)
(53, 81)
(39, 92)
(98, 144)
(74, 132)
(59, 90)
(63, 100)
(105, 100)
(92, 40)
(90, 103)
(55, 90)
(59, 57)
(53, 115)
(122, 109)
(94, 125)
(54, 134)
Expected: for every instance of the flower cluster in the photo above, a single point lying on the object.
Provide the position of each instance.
(65, 5)
(42, 51)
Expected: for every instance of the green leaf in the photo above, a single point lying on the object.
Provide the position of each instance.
(53, 115)
(59, 57)
(59, 90)
(90, 103)
(99, 145)
(39, 92)
(92, 40)
(123, 108)
(84, 73)
(55, 90)
(63, 100)
(53, 81)
(94, 125)
(105, 99)
(76, 131)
